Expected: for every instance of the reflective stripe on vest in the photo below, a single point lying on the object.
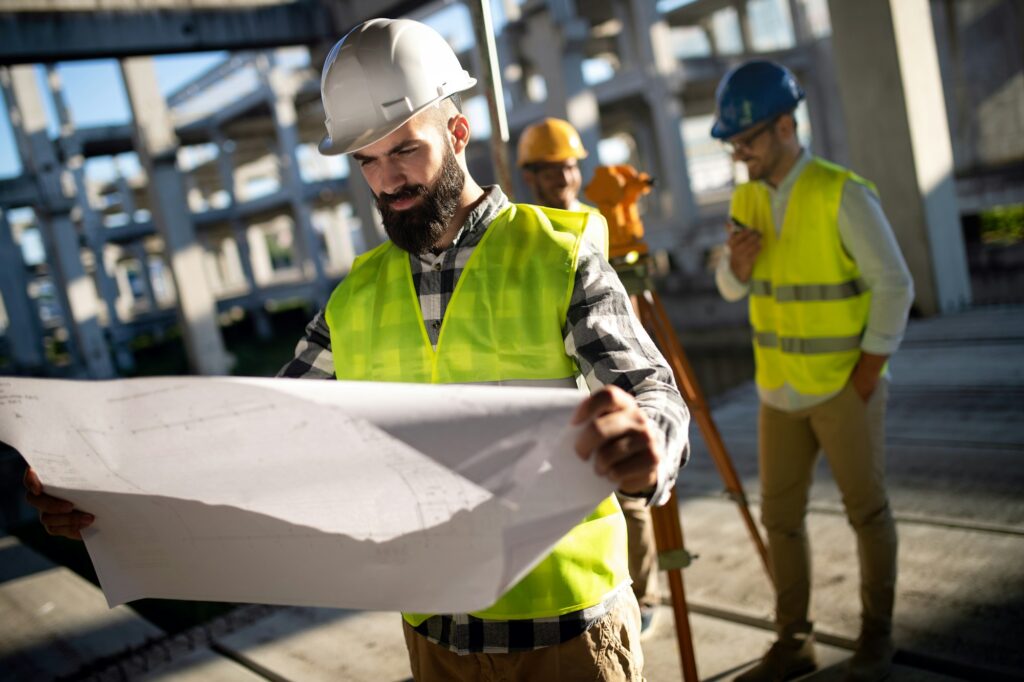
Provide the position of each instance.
(808, 302)
(806, 346)
(502, 325)
(809, 292)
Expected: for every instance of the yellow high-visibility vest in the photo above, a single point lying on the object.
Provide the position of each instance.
(808, 303)
(503, 324)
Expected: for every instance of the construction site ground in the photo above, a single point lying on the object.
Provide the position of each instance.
(956, 482)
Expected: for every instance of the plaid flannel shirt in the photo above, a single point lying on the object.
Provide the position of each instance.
(610, 346)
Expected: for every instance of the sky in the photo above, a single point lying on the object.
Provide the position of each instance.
(96, 96)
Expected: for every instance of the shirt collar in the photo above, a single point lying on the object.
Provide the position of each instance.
(798, 167)
(479, 218)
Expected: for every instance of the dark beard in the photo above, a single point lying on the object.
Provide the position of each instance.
(418, 229)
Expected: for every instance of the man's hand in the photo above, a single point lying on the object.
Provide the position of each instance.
(744, 245)
(623, 445)
(59, 517)
(865, 374)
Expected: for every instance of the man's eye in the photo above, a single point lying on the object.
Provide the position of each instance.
(406, 151)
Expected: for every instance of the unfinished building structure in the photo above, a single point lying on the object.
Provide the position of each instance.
(233, 213)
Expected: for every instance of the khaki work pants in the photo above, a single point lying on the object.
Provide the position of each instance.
(608, 652)
(643, 555)
(852, 435)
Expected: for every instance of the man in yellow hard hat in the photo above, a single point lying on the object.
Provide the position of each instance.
(471, 288)
(549, 155)
(549, 152)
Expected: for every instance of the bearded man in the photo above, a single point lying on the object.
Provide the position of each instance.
(471, 288)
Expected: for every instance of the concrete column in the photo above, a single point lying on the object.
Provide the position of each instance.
(230, 263)
(892, 99)
(554, 42)
(138, 251)
(262, 265)
(226, 170)
(211, 265)
(126, 194)
(366, 209)
(676, 207)
(63, 249)
(801, 27)
(92, 226)
(126, 297)
(339, 238)
(746, 33)
(280, 87)
(24, 332)
(157, 145)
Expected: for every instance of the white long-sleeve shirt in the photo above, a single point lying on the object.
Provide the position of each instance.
(868, 238)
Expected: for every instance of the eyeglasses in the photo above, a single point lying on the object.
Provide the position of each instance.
(747, 141)
(552, 171)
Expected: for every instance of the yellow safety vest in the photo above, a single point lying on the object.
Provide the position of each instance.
(808, 303)
(503, 324)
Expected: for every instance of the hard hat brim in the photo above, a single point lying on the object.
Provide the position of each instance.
(552, 158)
(353, 143)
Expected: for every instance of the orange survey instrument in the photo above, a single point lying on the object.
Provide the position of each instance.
(615, 190)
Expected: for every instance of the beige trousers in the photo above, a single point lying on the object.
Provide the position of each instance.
(643, 554)
(608, 652)
(852, 435)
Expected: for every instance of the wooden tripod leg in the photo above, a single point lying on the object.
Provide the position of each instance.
(672, 557)
(653, 316)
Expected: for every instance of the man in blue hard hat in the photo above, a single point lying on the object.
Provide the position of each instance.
(829, 294)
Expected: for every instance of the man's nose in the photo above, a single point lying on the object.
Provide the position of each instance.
(393, 178)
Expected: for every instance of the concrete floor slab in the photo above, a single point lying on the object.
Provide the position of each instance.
(201, 665)
(325, 644)
(956, 440)
(958, 595)
(54, 622)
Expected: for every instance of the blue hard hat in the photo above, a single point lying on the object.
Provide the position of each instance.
(755, 91)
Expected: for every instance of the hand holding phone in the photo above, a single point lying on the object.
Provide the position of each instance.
(744, 245)
(736, 225)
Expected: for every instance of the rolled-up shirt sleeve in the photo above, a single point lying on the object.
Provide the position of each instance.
(610, 346)
(869, 240)
(729, 286)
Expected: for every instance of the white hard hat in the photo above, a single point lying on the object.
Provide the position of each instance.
(379, 76)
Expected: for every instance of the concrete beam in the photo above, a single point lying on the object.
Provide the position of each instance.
(892, 99)
(19, 191)
(72, 30)
(32, 37)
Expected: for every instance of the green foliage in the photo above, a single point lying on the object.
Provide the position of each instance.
(1003, 224)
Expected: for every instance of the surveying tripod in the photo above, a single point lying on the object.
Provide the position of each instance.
(615, 190)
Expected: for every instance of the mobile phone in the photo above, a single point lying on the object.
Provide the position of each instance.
(737, 225)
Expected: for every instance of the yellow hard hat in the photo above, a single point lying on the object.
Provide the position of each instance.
(550, 141)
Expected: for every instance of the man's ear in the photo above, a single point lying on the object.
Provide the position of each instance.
(458, 128)
(786, 126)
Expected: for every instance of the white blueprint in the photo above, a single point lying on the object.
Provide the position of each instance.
(432, 499)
